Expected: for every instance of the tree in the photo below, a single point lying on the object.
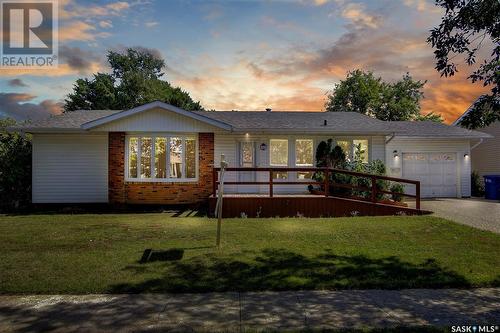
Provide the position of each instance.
(463, 29)
(364, 93)
(15, 167)
(135, 79)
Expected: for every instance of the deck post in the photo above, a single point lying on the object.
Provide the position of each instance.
(271, 174)
(327, 182)
(417, 194)
(214, 181)
(220, 196)
(374, 189)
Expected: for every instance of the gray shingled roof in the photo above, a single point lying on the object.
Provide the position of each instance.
(298, 121)
(69, 120)
(432, 129)
(280, 122)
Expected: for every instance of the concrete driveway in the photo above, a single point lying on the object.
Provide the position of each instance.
(478, 213)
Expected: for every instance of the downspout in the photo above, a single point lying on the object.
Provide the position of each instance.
(390, 138)
(477, 144)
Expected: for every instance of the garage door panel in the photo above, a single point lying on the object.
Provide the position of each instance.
(437, 173)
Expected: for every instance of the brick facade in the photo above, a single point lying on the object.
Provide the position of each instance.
(116, 167)
(121, 191)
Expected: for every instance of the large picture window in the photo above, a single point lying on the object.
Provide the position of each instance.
(161, 158)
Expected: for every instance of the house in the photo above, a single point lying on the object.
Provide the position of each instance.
(486, 155)
(160, 154)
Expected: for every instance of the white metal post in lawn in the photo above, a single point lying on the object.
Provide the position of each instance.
(220, 194)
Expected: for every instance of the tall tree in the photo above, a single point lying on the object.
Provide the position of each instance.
(135, 79)
(365, 93)
(466, 27)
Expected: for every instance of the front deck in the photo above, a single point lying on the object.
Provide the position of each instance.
(325, 201)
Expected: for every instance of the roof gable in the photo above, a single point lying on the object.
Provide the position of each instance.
(154, 106)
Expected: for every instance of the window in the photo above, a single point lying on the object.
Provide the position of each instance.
(361, 148)
(146, 157)
(161, 158)
(175, 158)
(278, 150)
(346, 147)
(133, 152)
(304, 156)
(190, 158)
(353, 147)
(247, 154)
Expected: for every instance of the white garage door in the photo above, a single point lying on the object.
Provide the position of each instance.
(437, 173)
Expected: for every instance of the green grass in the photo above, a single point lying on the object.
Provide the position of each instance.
(101, 253)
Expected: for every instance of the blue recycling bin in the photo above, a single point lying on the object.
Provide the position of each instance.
(492, 187)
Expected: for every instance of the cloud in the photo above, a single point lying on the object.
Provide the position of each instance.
(61, 70)
(78, 59)
(77, 31)
(80, 23)
(151, 24)
(70, 9)
(20, 107)
(106, 24)
(423, 5)
(320, 2)
(357, 14)
(298, 77)
(16, 83)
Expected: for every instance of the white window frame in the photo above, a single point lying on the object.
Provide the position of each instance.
(295, 151)
(288, 152)
(296, 174)
(351, 143)
(153, 137)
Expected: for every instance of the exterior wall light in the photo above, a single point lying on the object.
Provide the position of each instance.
(466, 155)
(395, 154)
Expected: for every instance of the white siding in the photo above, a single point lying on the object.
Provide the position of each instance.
(156, 120)
(70, 168)
(377, 148)
(486, 156)
(409, 145)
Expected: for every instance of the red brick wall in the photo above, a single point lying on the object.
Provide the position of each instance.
(116, 167)
(165, 192)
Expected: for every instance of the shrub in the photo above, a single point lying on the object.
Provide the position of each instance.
(15, 168)
(477, 186)
(399, 188)
(328, 155)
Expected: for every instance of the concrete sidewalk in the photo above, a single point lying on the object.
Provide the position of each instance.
(239, 312)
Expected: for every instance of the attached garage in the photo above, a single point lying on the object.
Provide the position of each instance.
(437, 173)
(441, 165)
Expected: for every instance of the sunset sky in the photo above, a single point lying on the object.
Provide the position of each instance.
(246, 55)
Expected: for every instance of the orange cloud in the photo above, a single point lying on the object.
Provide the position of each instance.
(450, 97)
(356, 12)
(61, 70)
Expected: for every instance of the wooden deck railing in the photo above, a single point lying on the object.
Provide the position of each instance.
(327, 184)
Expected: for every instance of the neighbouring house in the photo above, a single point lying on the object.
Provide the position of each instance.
(486, 154)
(161, 154)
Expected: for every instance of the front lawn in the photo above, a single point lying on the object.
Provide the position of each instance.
(101, 254)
